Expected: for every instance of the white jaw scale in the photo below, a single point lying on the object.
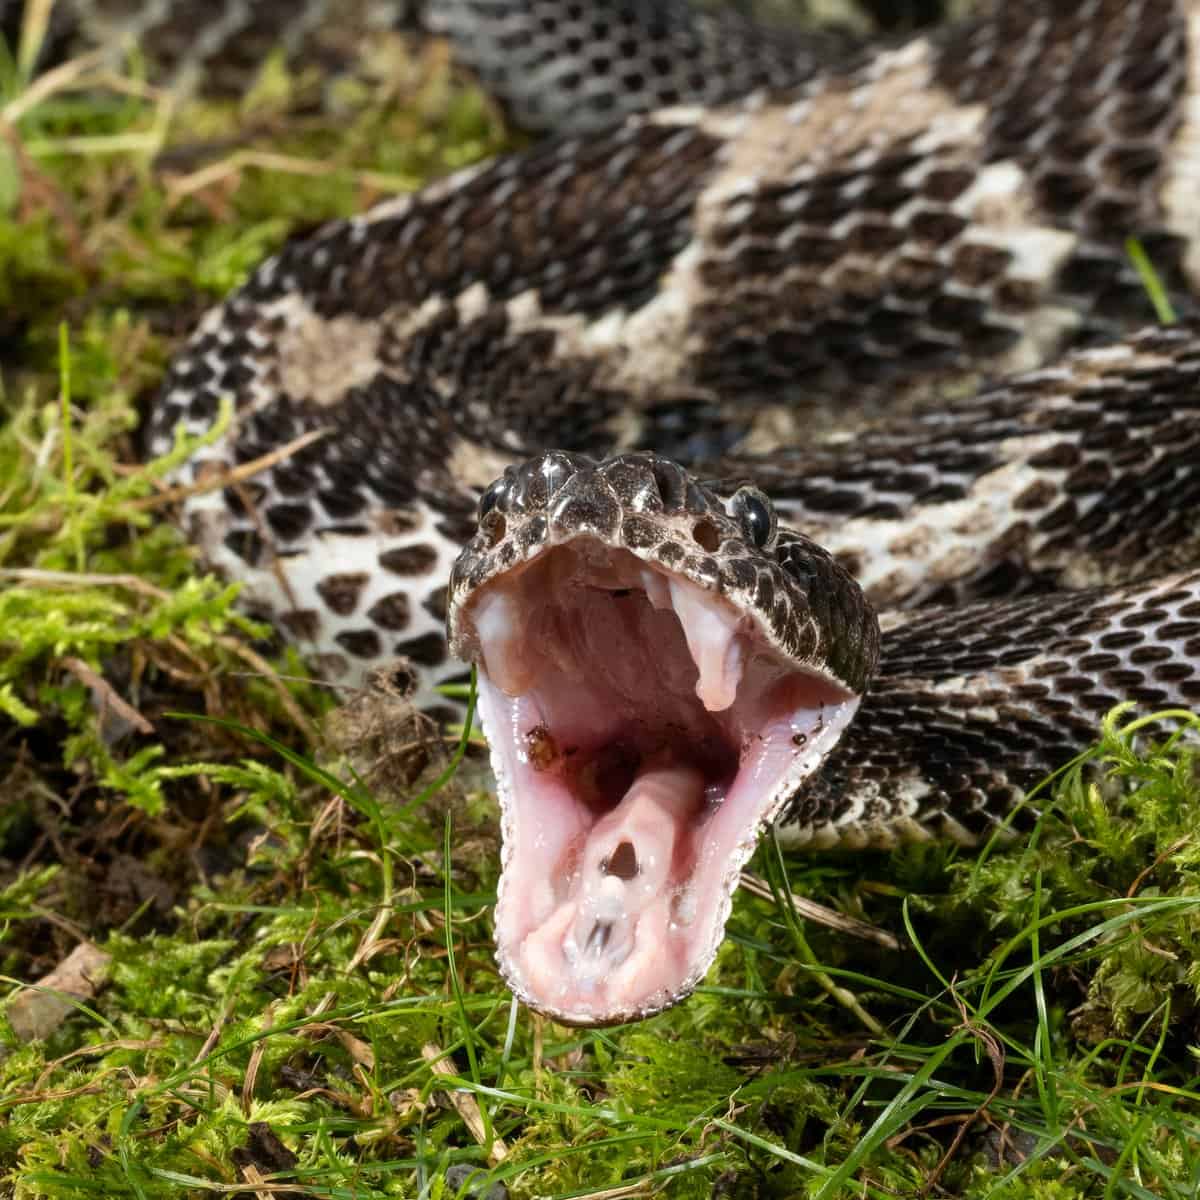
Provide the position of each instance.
(642, 732)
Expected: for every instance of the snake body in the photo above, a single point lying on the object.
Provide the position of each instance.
(716, 284)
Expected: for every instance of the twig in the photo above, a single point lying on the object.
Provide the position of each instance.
(39, 578)
(252, 1067)
(464, 1102)
(821, 915)
(106, 696)
(995, 1053)
(265, 160)
(263, 668)
(52, 81)
(223, 479)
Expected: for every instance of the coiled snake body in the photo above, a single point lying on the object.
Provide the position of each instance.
(666, 664)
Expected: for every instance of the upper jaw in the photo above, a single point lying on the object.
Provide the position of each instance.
(643, 732)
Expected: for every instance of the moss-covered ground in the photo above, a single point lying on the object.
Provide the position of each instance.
(291, 989)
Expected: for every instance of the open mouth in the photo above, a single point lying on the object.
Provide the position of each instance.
(643, 731)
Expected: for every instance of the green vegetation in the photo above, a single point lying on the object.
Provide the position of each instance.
(300, 993)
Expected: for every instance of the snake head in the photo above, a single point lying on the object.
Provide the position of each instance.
(660, 667)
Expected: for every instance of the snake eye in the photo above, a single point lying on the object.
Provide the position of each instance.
(756, 514)
(491, 496)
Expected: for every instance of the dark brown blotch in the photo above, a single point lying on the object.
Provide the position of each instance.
(1173, 672)
(342, 505)
(289, 521)
(342, 592)
(362, 643)
(1038, 494)
(429, 650)
(976, 264)
(247, 544)
(304, 624)
(409, 560)
(1174, 630)
(391, 612)
(435, 603)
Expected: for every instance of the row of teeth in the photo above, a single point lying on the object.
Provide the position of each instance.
(710, 626)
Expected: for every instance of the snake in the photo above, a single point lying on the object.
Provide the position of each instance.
(786, 438)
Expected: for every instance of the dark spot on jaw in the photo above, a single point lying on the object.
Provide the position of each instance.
(342, 592)
(409, 560)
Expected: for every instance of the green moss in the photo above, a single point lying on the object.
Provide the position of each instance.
(289, 950)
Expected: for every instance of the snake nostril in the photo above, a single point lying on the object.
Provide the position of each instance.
(706, 535)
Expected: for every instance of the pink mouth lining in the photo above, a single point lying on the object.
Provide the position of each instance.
(642, 733)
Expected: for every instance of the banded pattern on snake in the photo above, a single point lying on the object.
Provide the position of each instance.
(717, 284)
